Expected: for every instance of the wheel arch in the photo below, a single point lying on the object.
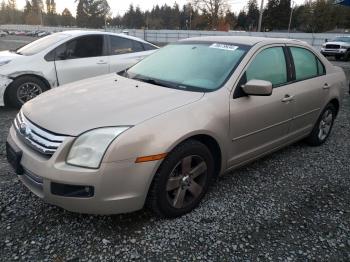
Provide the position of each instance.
(212, 144)
(47, 83)
(335, 103)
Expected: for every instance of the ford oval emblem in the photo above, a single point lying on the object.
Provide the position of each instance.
(23, 128)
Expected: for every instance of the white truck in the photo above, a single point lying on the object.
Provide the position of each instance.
(339, 47)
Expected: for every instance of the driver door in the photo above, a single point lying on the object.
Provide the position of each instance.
(259, 124)
(81, 58)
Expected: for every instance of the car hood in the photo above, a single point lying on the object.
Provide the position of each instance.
(108, 100)
(7, 55)
(337, 43)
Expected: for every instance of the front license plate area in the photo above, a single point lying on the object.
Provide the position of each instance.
(14, 158)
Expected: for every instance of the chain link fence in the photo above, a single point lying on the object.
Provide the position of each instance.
(168, 36)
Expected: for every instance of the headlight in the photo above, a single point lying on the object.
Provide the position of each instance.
(89, 148)
(5, 62)
(343, 47)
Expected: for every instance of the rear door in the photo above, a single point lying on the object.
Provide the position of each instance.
(81, 58)
(125, 52)
(309, 89)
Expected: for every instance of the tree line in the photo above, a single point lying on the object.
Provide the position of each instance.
(312, 16)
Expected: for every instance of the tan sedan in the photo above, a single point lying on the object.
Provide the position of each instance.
(160, 132)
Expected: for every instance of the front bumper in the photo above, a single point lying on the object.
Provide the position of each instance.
(333, 52)
(118, 187)
(4, 83)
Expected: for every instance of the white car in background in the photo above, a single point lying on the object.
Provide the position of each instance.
(65, 57)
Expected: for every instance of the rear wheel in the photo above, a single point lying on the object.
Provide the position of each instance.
(323, 127)
(23, 89)
(182, 180)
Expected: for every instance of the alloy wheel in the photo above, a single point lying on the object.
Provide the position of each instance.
(28, 91)
(186, 181)
(325, 124)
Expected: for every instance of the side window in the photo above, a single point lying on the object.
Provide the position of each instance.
(148, 47)
(120, 45)
(82, 47)
(269, 65)
(306, 64)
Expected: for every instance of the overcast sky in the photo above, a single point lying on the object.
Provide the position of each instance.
(120, 6)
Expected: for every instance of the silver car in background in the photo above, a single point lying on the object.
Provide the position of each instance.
(162, 131)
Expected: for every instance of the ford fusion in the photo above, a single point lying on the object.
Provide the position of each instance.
(159, 133)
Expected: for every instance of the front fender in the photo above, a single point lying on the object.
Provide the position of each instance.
(4, 83)
(163, 133)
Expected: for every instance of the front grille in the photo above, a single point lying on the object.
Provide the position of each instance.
(332, 46)
(40, 140)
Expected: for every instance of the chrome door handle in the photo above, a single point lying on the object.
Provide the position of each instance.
(326, 86)
(287, 98)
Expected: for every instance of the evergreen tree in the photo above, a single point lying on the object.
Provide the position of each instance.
(252, 18)
(66, 18)
(51, 16)
(3, 13)
(242, 20)
(81, 15)
(276, 14)
(92, 13)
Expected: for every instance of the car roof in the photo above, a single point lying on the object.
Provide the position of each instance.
(95, 32)
(241, 40)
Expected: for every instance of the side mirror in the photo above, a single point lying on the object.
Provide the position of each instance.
(326, 40)
(258, 88)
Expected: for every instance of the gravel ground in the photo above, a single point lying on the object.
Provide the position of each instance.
(293, 205)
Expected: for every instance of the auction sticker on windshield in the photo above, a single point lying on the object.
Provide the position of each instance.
(224, 47)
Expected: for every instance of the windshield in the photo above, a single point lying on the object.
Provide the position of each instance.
(342, 39)
(190, 66)
(41, 44)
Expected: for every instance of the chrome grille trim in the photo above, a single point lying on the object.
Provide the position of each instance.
(40, 140)
(330, 46)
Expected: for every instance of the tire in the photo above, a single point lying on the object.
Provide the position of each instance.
(337, 57)
(23, 89)
(323, 127)
(174, 190)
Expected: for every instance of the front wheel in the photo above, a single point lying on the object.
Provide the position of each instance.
(323, 127)
(23, 89)
(182, 180)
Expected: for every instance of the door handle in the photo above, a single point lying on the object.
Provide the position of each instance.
(326, 86)
(287, 98)
(101, 62)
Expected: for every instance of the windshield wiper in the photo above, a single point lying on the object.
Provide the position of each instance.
(154, 82)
